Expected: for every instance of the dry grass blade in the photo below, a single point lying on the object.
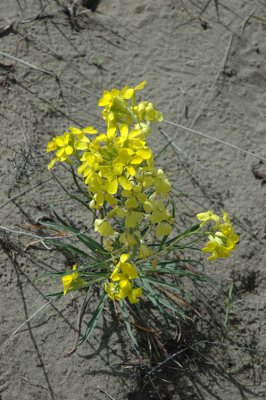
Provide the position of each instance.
(32, 316)
(215, 139)
(25, 191)
(50, 73)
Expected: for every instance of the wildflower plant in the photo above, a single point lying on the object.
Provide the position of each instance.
(138, 258)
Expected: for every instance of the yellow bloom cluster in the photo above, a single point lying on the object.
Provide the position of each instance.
(222, 238)
(116, 110)
(68, 144)
(128, 194)
(121, 286)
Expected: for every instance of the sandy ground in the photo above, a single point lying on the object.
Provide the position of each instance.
(205, 66)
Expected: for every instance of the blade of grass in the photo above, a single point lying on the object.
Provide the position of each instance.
(153, 297)
(94, 246)
(160, 282)
(128, 324)
(69, 248)
(94, 319)
(185, 234)
(193, 276)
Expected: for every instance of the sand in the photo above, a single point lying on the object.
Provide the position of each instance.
(205, 66)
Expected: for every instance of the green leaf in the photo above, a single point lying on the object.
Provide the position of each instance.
(153, 297)
(161, 303)
(181, 272)
(162, 243)
(90, 283)
(93, 321)
(179, 261)
(94, 246)
(184, 234)
(128, 324)
(68, 247)
(161, 282)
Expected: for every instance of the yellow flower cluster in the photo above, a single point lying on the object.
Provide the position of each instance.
(222, 238)
(116, 110)
(68, 144)
(128, 194)
(121, 286)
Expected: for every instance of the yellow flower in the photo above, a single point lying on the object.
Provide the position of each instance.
(158, 211)
(108, 245)
(222, 242)
(161, 183)
(72, 281)
(124, 271)
(133, 218)
(144, 251)
(114, 291)
(163, 229)
(112, 186)
(216, 247)
(125, 285)
(229, 235)
(81, 141)
(122, 290)
(103, 227)
(131, 202)
(128, 92)
(133, 295)
(226, 218)
(116, 108)
(128, 239)
(97, 201)
(144, 128)
(145, 111)
(108, 97)
(64, 146)
(89, 129)
(204, 217)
